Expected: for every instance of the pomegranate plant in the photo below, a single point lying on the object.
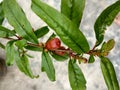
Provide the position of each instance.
(65, 25)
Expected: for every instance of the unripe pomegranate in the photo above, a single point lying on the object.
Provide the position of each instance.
(60, 51)
(53, 44)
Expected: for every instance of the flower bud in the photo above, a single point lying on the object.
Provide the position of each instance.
(53, 44)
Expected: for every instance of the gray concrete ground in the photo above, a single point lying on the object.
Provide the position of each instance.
(15, 80)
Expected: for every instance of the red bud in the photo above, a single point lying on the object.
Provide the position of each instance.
(53, 44)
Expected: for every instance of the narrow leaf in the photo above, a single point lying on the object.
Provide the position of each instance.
(76, 77)
(18, 20)
(21, 43)
(10, 52)
(2, 46)
(104, 45)
(29, 56)
(110, 45)
(109, 74)
(41, 32)
(65, 28)
(1, 14)
(53, 35)
(66, 6)
(4, 32)
(47, 66)
(23, 64)
(60, 58)
(33, 48)
(73, 9)
(91, 59)
(107, 46)
(105, 19)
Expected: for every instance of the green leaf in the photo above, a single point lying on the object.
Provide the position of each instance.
(59, 58)
(4, 32)
(110, 44)
(109, 74)
(91, 59)
(73, 9)
(21, 43)
(53, 35)
(41, 32)
(47, 66)
(105, 19)
(29, 56)
(106, 47)
(76, 77)
(10, 52)
(2, 46)
(33, 48)
(23, 64)
(18, 20)
(65, 28)
(66, 8)
(1, 14)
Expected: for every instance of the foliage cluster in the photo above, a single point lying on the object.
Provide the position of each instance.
(65, 24)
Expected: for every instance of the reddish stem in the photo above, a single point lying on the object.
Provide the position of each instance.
(19, 38)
